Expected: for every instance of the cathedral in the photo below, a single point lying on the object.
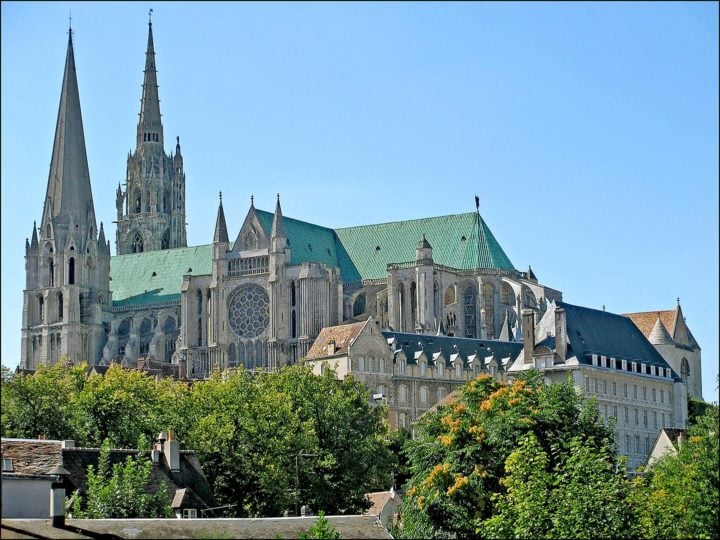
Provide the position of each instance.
(258, 298)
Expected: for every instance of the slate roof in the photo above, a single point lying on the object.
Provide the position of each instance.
(347, 526)
(448, 345)
(361, 253)
(32, 457)
(591, 331)
(342, 335)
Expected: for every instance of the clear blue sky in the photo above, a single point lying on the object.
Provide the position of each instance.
(589, 130)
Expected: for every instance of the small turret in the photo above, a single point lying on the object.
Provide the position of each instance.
(278, 240)
(34, 241)
(221, 234)
(423, 252)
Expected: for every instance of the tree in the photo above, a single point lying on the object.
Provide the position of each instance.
(41, 403)
(121, 491)
(522, 459)
(678, 497)
(322, 529)
(346, 439)
(125, 404)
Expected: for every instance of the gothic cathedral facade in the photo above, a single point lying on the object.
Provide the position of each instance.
(259, 301)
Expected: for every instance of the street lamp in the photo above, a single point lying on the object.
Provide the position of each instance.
(297, 479)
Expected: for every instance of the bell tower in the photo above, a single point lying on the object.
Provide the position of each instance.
(151, 208)
(67, 262)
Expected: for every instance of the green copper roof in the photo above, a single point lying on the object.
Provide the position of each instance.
(308, 242)
(360, 253)
(156, 276)
(454, 241)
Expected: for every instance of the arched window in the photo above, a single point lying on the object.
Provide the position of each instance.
(292, 293)
(413, 305)
(293, 324)
(458, 370)
(401, 307)
(138, 201)
(199, 299)
(123, 336)
(71, 271)
(165, 242)
(450, 295)
(145, 336)
(171, 333)
(436, 301)
(137, 244)
(488, 301)
(241, 354)
(231, 355)
(258, 354)
(359, 305)
(507, 296)
(147, 201)
(51, 272)
(685, 369)
(60, 305)
(166, 202)
(41, 308)
(469, 302)
(199, 333)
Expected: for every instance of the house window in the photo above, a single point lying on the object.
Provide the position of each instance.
(644, 393)
(634, 391)
(645, 419)
(401, 366)
(595, 385)
(189, 513)
(441, 393)
(422, 368)
(662, 396)
(655, 419)
(627, 415)
(627, 444)
(381, 366)
(423, 394)
(441, 369)
(402, 420)
(684, 369)
(615, 412)
(7, 465)
(647, 445)
(624, 389)
(361, 363)
(402, 394)
(663, 419)
(458, 370)
(614, 388)
(604, 387)
(637, 444)
(637, 417)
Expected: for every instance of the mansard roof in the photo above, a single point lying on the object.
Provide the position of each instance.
(448, 346)
(592, 331)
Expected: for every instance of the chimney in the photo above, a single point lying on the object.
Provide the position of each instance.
(171, 451)
(528, 318)
(57, 496)
(561, 333)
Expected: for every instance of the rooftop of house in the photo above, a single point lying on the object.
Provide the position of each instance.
(34, 457)
(365, 526)
(342, 336)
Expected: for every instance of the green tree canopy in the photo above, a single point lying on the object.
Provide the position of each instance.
(679, 497)
(121, 491)
(523, 459)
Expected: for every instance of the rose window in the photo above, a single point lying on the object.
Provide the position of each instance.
(248, 311)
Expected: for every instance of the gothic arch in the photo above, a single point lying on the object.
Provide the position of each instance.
(685, 369)
(469, 300)
(450, 295)
(359, 305)
(137, 245)
(488, 302)
(170, 330)
(165, 242)
(146, 334)
(137, 201)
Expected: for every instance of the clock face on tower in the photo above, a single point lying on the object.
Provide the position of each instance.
(248, 311)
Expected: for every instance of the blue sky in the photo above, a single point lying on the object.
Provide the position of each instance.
(589, 130)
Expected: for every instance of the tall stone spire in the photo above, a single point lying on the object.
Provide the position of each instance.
(221, 234)
(68, 189)
(151, 209)
(150, 125)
